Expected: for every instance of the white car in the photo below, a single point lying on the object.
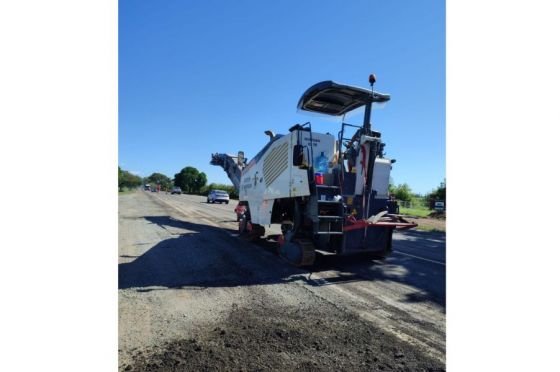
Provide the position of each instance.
(218, 196)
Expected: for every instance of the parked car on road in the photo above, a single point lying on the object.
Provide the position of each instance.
(218, 196)
(176, 190)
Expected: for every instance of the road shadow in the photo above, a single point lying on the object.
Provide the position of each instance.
(418, 261)
(428, 280)
(201, 255)
(430, 235)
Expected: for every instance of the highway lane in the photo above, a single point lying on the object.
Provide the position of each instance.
(421, 244)
(419, 255)
(405, 293)
(191, 291)
(418, 251)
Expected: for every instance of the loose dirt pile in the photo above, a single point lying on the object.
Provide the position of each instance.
(285, 339)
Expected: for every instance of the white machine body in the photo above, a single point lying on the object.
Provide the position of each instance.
(271, 174)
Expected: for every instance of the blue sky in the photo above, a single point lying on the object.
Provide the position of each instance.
(197, 77)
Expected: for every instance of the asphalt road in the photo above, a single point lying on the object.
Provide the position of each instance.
(182, 270)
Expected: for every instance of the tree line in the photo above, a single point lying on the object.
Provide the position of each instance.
(192, 181)
(404, 193)
(128, 180)
(189, 179)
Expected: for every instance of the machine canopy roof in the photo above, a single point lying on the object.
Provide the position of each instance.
(328, 97)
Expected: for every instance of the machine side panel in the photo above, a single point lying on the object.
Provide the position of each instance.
(253, 184)
(264, 212)
(316, 144)
(381, 173)
(322, 143)
(267, 179)
(273, 176)
(299, 184)
(276, 170)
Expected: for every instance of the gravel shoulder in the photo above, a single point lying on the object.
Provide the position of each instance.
(429, 224)
(192, 296)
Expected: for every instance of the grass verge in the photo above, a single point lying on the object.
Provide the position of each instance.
(415, 212)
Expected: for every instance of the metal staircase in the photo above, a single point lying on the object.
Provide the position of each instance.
(330, 211)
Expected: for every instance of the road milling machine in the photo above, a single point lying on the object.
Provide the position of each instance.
(329, 194)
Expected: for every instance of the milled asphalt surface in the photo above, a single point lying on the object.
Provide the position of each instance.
(182, 271)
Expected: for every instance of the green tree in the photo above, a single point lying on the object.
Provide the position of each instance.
(402, 192)
(128, 180)
(161, 179)
(190, 180)
(439, 193)
(392, 187)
